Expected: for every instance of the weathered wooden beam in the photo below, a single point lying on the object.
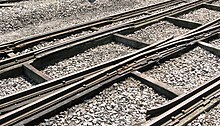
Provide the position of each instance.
(158, 86)
(184, 23)
(35, 74)
(129, 41)
(213, 49)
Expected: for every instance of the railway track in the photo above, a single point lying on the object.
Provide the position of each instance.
(72, 87)
(77, 29)
(6, 5)
(9, 1)
(137, 44)
(185, 110)
(50, 15)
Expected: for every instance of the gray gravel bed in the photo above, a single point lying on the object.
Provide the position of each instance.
(123, 21)
(187, 71)
(216, 2)
(88, 58)
(158, 31)
(55, 41)
(215, 42)
(61, 13)
(15, 84)
(201, 15)
(35, 29)
(122, 104)
(210, 118)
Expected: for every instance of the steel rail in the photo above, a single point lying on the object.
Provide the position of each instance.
(71, 29)
(197, 30)
(159, 110)
(38, 38)
(194, 111)
(13, 99)
(9, 100)
(10, 1)
(187, 103)
(94, 79)
(80, 25)
(170, 12)
(9, 61)
(48, 100)
(6, 5)
(215, 28)
(84, 91)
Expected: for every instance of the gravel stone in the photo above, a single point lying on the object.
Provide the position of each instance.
(156, 32)
(201, 15)
(215, 42)
(210, 118)
(188, 71)
(55, 41)
(15, 84)
(35, 29)
(122, 104)
(89, 58)
(32, 17)
(216, 3)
